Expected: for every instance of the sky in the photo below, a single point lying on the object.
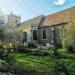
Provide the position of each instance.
(28, 9)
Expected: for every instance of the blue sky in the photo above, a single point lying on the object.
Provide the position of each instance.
(30, 8)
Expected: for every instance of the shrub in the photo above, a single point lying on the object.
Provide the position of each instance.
(72, 69)
(38, 51)
(71, 49)
(31, 45)
(22, 49)
(4, 53)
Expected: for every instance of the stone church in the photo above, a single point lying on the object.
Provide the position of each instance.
(46, 29)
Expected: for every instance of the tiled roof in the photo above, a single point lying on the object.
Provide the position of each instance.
(52, 19)
(59, 17)
(33, 21)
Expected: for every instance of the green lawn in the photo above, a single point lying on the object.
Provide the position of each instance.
(42, 63)
(31, 62)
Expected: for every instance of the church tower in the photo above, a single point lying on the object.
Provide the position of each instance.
(13, 20)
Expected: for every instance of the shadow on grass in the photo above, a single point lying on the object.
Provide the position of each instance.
(33, 72)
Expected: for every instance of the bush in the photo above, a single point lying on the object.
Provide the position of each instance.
(68, 46)
(22, 49)
(71, 49)
(31, 45)
(3, 53)
(72, 69)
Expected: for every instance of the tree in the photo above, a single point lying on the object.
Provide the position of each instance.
(2, 34)
(14, 36)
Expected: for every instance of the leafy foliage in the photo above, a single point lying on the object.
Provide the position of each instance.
(2, 34)
(69, 36)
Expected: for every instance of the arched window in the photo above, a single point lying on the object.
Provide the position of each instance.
(44, 34)
(25, 36)
(35, 36)
(16, 21)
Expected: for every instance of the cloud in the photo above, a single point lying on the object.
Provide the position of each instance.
(59, 2)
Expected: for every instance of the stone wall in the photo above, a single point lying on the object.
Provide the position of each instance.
(27, 29)
(50, 35)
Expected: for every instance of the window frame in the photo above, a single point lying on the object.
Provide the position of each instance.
(43, 34)
(36, 35)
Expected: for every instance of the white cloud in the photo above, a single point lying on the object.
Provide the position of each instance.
(59, 2)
